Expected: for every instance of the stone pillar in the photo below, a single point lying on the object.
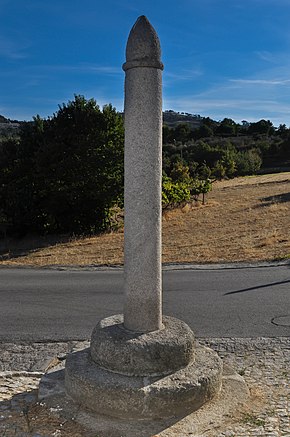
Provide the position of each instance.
(133, 369)
(143, 174)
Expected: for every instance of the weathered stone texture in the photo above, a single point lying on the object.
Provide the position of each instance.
(148, 397)
(155, 353)
(143, 174)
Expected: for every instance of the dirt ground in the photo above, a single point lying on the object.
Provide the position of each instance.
(244, 219)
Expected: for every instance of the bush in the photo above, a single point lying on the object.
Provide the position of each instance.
(248, 162)
(174, 193)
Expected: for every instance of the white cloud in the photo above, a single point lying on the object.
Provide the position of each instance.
(261, 81)
(265, 94)
(12, 50)
(272, 58)
(83, 68)
(184, 74)
(238, 109)
(79, 68)
(171, 80)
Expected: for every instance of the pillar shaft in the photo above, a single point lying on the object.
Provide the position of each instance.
(143, 174)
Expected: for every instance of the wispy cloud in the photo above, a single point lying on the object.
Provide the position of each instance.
(208, 104)
(36, 74)
(182, 75)
(85, 68)
(261, 81)
(251, 109)
(79, 68)
(265, 94)
(269, 57)
(13, 50)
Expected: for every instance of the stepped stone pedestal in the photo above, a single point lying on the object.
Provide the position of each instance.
(153, 375)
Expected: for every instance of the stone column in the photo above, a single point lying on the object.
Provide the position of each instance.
(133, 369)
(143, 173)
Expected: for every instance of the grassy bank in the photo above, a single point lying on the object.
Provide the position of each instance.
(244, 219)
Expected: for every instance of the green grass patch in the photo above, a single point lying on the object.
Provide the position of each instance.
(253, 420)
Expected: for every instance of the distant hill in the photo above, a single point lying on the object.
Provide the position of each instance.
(3, 119)
(172, 119)
(8, 120)
(8, 127)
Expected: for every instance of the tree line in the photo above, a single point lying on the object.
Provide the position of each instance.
(64, 174)
(222, 149)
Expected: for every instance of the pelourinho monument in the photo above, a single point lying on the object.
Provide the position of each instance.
(142, 365)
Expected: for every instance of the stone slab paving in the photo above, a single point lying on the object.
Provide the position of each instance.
(264, 363)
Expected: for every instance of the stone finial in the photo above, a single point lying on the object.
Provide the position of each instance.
(143, 46)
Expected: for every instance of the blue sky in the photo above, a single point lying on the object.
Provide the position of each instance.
(223, 58)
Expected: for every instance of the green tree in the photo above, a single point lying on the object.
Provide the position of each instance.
(167, 134)
(182, 132)
(174, 193)
(248, 162)
(204, 131)
(283, 131)
(19, 179)
(219, 170)
(200, 186)
(205, 187)
(180, 172)
(262, 127)
(227, 127)
(69, 170)
(226, 165)
(84, 149)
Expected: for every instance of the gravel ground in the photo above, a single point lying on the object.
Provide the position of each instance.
(264, 363)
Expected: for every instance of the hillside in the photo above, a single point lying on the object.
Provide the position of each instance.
(8, 127)
(172, 119)
(244, 219)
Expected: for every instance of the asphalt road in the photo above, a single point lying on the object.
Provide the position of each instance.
(42, 305)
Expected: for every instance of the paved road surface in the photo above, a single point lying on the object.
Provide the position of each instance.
(41, 305)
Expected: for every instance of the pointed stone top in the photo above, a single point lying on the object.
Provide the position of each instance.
(143, 46)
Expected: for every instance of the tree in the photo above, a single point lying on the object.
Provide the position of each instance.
(180, 172)
(282, 131)
(248, 162)
(204, 131)
(19, 180)
(174, 193)
(200, 186)
(167, 134)
(182, 132)
(262, 127)
(69, 170)
(227, 127)
(84, 148)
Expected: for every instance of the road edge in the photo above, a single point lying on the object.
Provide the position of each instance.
(165, 266)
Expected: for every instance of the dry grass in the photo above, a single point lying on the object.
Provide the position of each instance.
(244, 219)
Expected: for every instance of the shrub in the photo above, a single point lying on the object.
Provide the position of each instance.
(174, 193)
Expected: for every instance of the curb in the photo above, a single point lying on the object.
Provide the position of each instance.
(165, 266)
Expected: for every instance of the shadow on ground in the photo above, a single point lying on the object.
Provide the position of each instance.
(23, 416)
(257, 287)
(15, 248)
(271, 200)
